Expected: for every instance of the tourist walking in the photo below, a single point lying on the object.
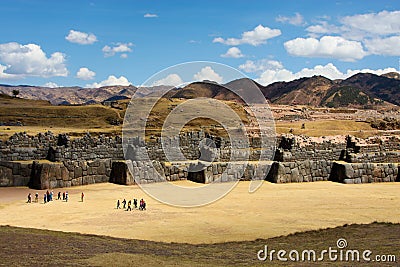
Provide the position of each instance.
(59, 195)
(29, 198)
(129, 206)
(63, 196)
(44, 198)
(82, 196)
(118, 204)
(66, 196)
(37, 197)
(124, 203)
(135, 203)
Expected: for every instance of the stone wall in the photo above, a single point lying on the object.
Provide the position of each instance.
(45, 174)
(15, 173)
(91, 159)
(21, 146)
(357, 173)
(300, 171)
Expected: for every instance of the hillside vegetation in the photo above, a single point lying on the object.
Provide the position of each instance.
(29, 247)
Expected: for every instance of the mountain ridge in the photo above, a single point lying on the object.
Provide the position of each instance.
(362, 90)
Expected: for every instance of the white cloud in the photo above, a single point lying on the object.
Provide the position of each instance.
(377, 72)
(296, 20)
(258, 36)
(82, 38)
(111, 80)
(233, 52)
(329, 71)
(384, 46)
(149, 15)
(85, 74)
(260, 65)
(378, 32)
(327, 47)
(207, 73)
(171, 79)
(382, 23)
(110, 51)
(361, 26)
(124, 55)
(18, 61)
(323, 28)
(4, 75)
(50, 85)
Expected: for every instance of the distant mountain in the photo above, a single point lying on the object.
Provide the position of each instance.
(387, 89)
(77, 95)
(233, 91)
(303, 91)
(362, 90)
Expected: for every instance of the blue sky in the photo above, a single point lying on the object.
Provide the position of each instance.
(95, 43)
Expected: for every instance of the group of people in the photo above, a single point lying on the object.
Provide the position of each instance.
(128, 205)
(48, 196)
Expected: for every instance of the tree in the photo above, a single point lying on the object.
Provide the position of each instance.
(15, 93)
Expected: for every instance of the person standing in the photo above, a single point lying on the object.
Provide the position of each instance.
(135, 203)
(29, 198)
(59, 195)
(37, 197)
(44, 198)
(124, 203)
(82, 196)
(66, 196)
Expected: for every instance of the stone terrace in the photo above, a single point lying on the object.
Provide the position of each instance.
(51, 161)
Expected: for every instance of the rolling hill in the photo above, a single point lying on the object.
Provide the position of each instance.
(362, 90)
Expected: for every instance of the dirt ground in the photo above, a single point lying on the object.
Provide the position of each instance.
(273, 210)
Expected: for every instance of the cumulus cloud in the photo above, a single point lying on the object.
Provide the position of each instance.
(207, 73)
(329, 71)
(50, 85)
(384, 46)
(111, 80)
(260, 65)
(327, 47)
(85, 74)
(124, 48)
(382, 23)
(82, 38)
(378, 32)
(233, 52)
(323, 28)
(150, 15)
(259, 35)
(171, 80)
(296, 20)
(17, 60)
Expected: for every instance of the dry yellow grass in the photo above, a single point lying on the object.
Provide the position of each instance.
(273, 210)
(327, 128)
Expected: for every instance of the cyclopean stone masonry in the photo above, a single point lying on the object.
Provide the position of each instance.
(51, 161)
